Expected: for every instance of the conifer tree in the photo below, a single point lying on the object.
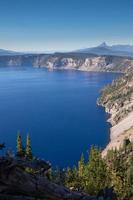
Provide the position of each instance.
(96, 172)
(81, 166)
(81, 172)
(28, 147)
(20, 150)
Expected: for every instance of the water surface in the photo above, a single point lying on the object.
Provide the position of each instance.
(58, 108)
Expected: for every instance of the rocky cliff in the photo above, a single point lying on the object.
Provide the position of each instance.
(75, 61)
(117, 99)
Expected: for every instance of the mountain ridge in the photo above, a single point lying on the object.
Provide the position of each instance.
(5, 52)
(103, 48)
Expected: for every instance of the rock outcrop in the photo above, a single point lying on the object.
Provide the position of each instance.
(16, 183)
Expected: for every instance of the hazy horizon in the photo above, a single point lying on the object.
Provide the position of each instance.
(61, 50)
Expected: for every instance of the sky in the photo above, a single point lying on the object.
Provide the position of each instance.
(63, 25)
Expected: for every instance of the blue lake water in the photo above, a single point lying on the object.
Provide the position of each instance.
(58, 108)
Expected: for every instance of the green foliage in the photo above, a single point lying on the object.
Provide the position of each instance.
(72, 178)
(21, 151)
(28, 152)
(130, 176)
(120, 164)
(97, 170)
(89, 176)
(98, 173)
(117, 173)
(81, 166)
(20, 148)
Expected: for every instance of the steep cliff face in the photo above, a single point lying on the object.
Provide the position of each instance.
(76, 61)
(117, 99)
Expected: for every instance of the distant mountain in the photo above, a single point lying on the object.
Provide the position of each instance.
(4, 52)
(104, 49)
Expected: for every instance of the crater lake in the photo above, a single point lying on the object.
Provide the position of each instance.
(57, 108)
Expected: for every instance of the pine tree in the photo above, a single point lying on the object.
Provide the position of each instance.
(96, 172)
(117, 167)
(29, 154)
(20, 149)
(81, 172)
(81, 166)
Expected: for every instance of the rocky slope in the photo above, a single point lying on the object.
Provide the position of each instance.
(76, 61)
(117, 99)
